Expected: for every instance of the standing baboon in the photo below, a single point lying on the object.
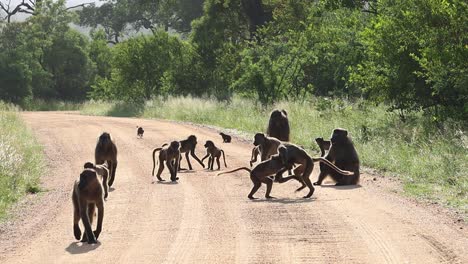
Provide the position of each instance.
(86, 196)
(103, 171)
(226, 138)
(169, 154)
(213, 153)
(106, 151)
(323, 145)
(140, 132)
(278, 126)
(343, 154)
(188, 146)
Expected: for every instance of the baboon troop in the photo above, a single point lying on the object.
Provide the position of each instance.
(212, 153)
(278, 126)
(226, 138)
(170, 154)
(140, 132)
(106, 151)
(188, 146)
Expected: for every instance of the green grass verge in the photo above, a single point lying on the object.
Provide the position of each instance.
(50, 105)
(431, 160)
(21, 159)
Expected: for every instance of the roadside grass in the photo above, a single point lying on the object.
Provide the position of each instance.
(50, 105)
(21, 159)
(431, 160)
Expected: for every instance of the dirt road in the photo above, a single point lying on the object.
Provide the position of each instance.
(207, 218)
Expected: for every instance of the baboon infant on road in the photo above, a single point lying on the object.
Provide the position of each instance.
(226, 138)
(278, 126)
(86, 196)
(188, 146)
(323, 145)
(103, 171)
(140, 132)
(169, 154)
(213, 153)
(106, 151)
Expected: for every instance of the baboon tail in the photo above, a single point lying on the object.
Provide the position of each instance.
(238, 169)
(154, 159)
(224, 158)
(333, 166)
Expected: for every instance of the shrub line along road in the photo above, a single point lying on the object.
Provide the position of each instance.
(207, 218)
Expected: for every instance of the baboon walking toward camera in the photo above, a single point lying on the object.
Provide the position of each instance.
(169, 154)
(107, 151)
(278, 126)
(226, 138)
(140, 132)
(213, 153)
(187, 146)
(86, 196)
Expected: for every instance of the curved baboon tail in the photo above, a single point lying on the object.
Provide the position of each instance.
(224, 158)
(154, 159)
(333, 166)
(238, 169)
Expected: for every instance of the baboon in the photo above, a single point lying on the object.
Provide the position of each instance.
(255, 152)
(169, 153)
(323, 145)
(278, 126)
(268, 146)
(261, 174)
(107, 151)
(188, 146)
(140, 132)
(226, 138)
(86, 196)
(213, 153)
(103, 171)
(342, 154)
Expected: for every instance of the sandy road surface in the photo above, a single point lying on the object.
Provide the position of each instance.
(207, 218)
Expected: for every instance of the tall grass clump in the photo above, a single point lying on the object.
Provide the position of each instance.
(50, 105)
(430, 158)
(21, 159)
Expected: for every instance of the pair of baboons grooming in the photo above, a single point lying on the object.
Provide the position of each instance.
(90, 190)
(171, 155)
(278, 155)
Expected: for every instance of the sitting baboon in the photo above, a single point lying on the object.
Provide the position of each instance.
(106, 151)
(226, 138)
(86, 196)
(103, 171)
(261, 174)
(342, 154)
(140, 132)
(188, 146)
(323, 145)
(255, 152)
(169, 154)
(278, 126)
(213, 153)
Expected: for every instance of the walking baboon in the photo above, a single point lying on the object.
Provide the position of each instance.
(169, 154)
(140, 132)
(226, 138)
(323, 145)
(342, 154)
(188, 146)
(86, 196)
(106, 151)
(213, 153)
(103, 171)
(278, 126)
(262, 173)
(255, 152)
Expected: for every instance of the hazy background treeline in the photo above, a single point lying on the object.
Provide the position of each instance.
(411, 55)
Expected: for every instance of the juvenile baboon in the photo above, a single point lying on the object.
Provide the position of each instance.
(255, 152)
(107, 151)
(86, 196)
(169, 154)
(140, 132)
(188, 146)
(323, 145)
(213, 153)
(268, 145)
(278, 126)
(226, 138)
(342, 154)
(262, 173)
(103, 171)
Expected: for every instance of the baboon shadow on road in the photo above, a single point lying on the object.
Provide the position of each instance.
(81, 248)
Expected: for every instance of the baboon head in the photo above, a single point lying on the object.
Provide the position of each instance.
(319, 140)
(339, 135)
(175, 145)
(259, 139)
(277, 117)
(192, 139)
(209, 144)
(105, 138)
(89, 165)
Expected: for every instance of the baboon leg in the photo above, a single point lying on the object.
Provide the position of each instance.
(211, 163)
(114, 168)
(172, 170)
(255, 188)
(88, 235)
(188, 160)
(217, 162)
(76, 217)
(160, 169)
(311, 187)
(100, 207)
(105, 184)
(180, 164)
(269, 184)
(192, 153)
(91, 211)
(322, 175)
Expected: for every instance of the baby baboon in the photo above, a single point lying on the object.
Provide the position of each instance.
(169, 154)
(255, 152)
(278, 126)
(323, 145)
(188, 146)
(261, 172)
(213, 153)
(87, 195)
(226, 138)
(268, 145)
(342, 154)
(140, 132)
(103, 171)
(106, 151)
